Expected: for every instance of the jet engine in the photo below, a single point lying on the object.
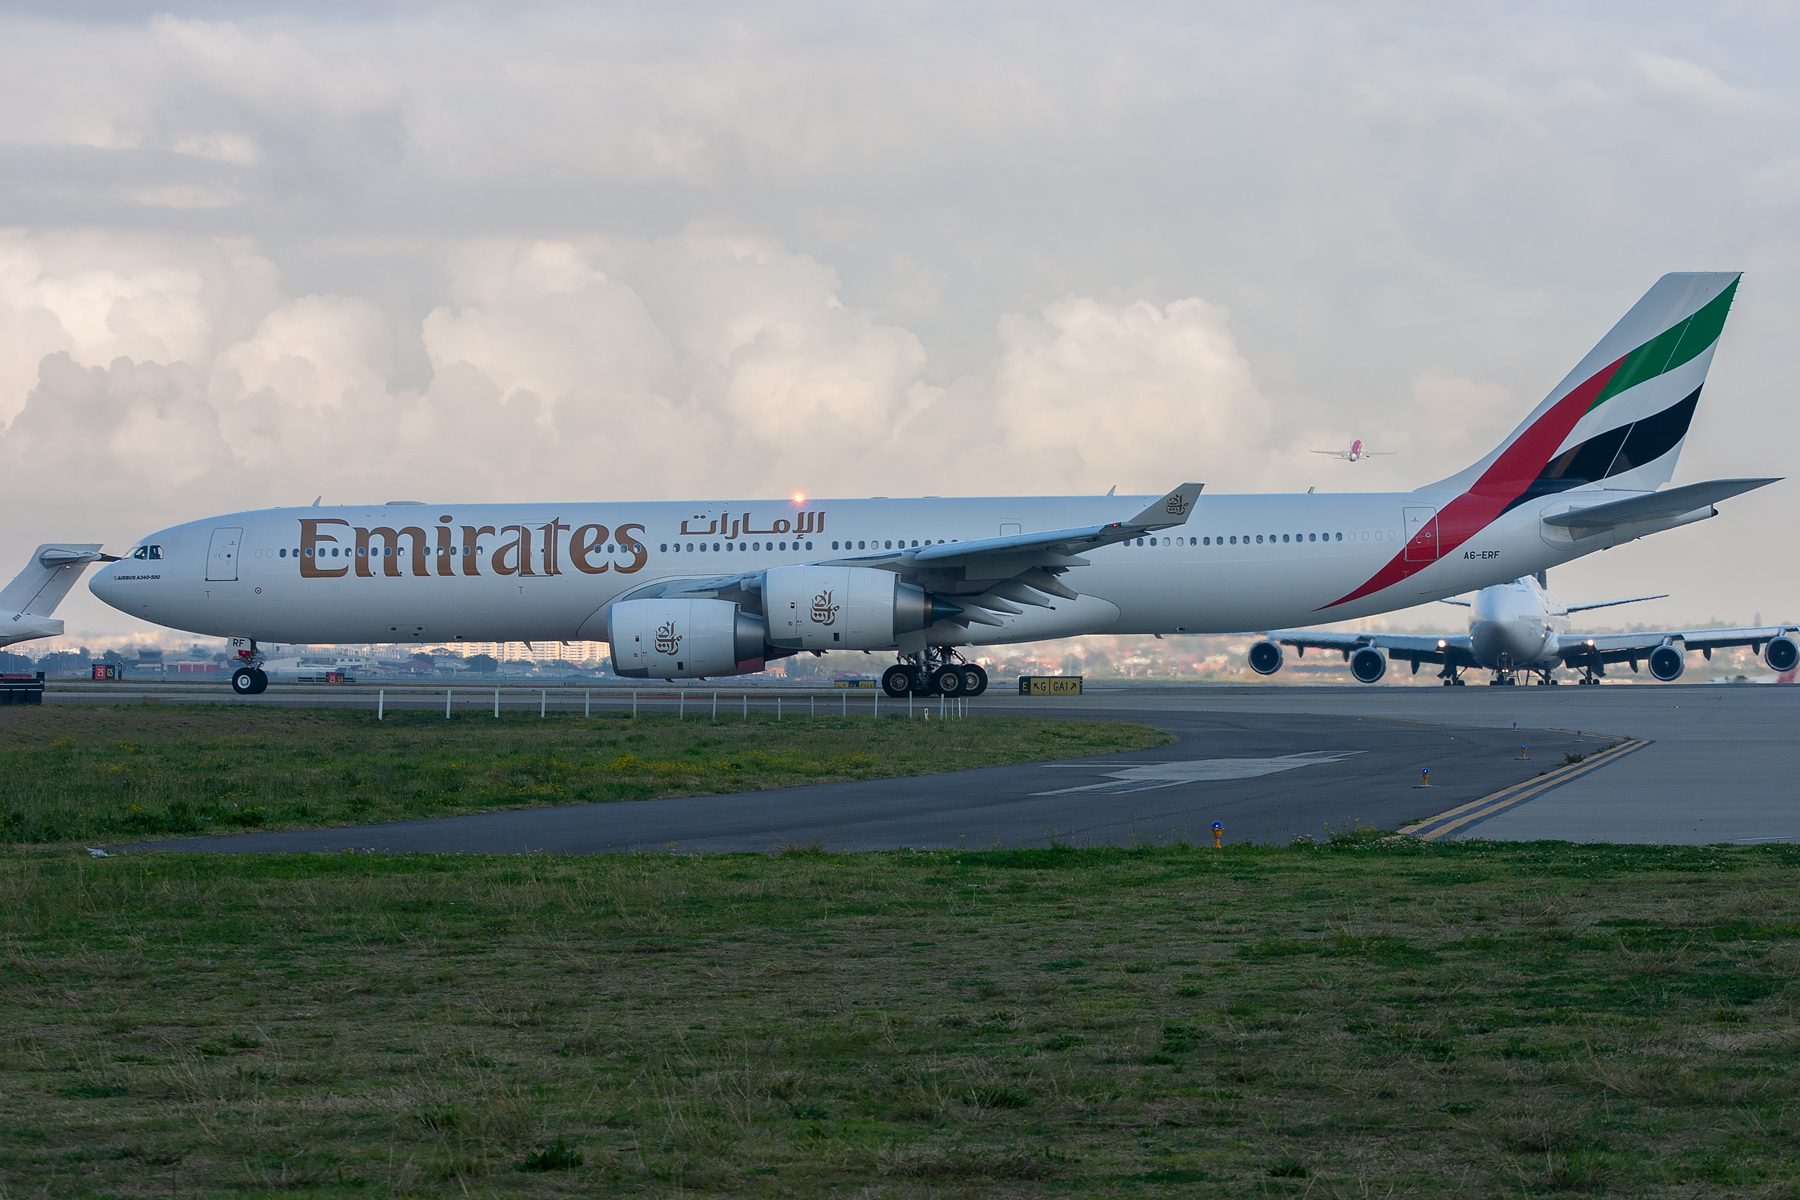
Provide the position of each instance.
(1667, 663)
(1782, 654)
(844, 608)
(1368, 665)
(683, 639)
(1265, 658)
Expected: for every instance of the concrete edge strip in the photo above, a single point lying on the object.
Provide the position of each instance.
(1475, 810)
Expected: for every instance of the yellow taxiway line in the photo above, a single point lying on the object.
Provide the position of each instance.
(1436, 827)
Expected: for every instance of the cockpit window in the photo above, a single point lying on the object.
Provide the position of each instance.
(147, 552)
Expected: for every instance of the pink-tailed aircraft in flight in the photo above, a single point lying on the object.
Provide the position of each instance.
(1356, 452)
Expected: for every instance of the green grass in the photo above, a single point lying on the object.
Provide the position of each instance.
(1348, 1019)
(94, 774)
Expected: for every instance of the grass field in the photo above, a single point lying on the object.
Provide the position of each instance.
(91, 774)
(1350, 1019)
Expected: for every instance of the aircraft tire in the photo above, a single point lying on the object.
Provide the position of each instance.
(243, 682)
(975, 680)
(897, 681)
(947, 680)
(262, 681)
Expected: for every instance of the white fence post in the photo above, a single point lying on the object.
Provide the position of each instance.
(380, 704)
(543, 702)
(681, 713)
(496, 704)
(446, 704)
(715, 708)
(587, 704)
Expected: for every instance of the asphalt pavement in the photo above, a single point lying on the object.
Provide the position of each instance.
(1266, 777)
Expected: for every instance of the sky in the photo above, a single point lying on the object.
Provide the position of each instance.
(250, 255)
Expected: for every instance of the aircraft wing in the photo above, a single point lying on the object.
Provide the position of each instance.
(989, 575)
(1414, 648)
(1631, 647)
(1334, 453)
(1652, 506)
(1610, 603)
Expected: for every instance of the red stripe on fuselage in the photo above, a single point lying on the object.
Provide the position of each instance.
(1504, 481)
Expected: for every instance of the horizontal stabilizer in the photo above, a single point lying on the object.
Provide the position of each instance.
(1653, 506)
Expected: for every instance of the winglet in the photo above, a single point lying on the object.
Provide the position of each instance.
(1172, 509)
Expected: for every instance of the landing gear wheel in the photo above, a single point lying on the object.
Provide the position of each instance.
(947, 680)
(975, 680)
(243, 681)
(262, 680)
(897, 681)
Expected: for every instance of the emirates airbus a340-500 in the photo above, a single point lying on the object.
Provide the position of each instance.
(685, 591)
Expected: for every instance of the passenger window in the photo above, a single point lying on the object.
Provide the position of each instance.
(888, 546)
(834, 545)
(661, 546)
(809, 545)
(1259, 539)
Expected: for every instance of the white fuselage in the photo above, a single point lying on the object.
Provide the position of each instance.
(453, 572)
(22, 627)
(1517, 626)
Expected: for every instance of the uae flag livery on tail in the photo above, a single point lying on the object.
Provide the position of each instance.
(1616, 422)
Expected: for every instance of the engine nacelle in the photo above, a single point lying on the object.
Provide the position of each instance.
(1265, 658)
(1368, 665)
(1667, 663)
(683, 639)
(844, 608)
(1782, 654)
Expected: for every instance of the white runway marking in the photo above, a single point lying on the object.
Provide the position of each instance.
(1145, 777)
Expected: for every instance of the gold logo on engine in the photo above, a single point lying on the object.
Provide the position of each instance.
(667, 640)
(824, 612)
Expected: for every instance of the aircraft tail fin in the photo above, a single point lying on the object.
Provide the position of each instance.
(47, 578)
(1620, 417)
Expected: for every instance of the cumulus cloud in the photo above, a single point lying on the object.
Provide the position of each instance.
(1690, 81)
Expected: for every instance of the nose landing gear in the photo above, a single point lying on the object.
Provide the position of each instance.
(249, 679)
(939, 671)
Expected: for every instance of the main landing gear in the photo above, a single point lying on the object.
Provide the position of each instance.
(939, 671)
(1452, 677)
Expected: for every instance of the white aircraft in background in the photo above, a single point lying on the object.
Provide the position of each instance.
(1356, 452)
(925, 578)
(27, 602)
(1521, 627)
